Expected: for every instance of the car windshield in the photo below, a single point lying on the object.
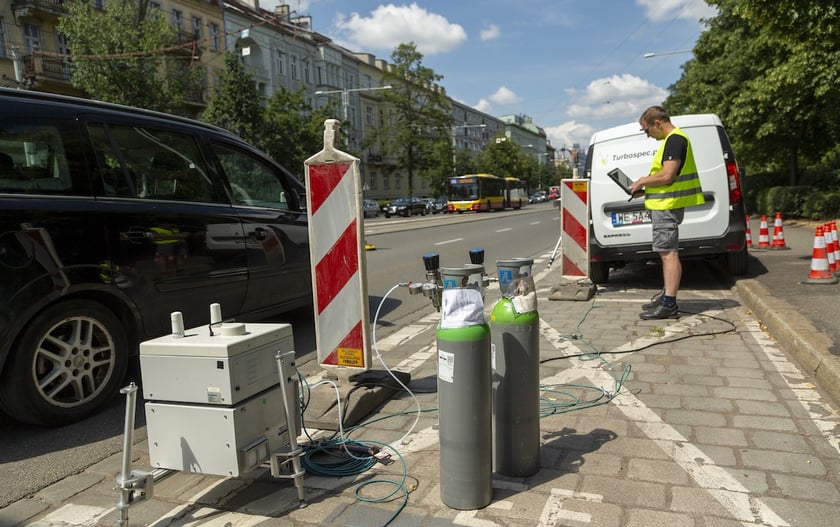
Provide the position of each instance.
(401, 201)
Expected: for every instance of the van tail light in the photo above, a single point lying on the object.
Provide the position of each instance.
(734, 182)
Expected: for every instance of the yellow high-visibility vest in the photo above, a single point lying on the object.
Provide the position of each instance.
(685, 191)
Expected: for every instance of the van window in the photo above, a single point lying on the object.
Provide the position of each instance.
(252, 182)
(33, 160)
(138, 162)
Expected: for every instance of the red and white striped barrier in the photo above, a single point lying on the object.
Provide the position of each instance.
(574, 226)
(336, 248)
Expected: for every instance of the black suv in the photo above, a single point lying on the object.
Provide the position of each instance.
(114, 217)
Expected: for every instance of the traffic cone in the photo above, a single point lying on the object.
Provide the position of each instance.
(835, 245)
(763, 234)
(819, 262)
(749, 236)
(778, 233)
(829, 250)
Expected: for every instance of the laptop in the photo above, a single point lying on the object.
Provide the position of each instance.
(622, 180)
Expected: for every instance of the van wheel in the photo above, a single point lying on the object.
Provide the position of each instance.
(70, 361)
(737, 262)
(599, 272)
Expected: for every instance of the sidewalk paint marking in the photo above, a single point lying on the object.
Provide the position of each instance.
(504, 230)
(207, 517)
(721, 485)
(468, 519)
(445, 242)
(822, 415)
(553, 511)
(74, 515)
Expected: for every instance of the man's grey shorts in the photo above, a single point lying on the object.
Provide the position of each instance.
(666, 232)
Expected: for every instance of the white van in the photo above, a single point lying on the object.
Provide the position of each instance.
(620, 230)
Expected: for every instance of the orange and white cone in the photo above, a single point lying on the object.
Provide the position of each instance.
(763, 234)
(820, 273)
(749, 236)
(778, 233)
(829, 250)
(835, 245)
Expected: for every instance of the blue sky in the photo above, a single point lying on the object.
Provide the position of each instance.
(574, 66)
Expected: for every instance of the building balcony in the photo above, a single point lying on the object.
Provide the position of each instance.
(50, 68)
(41, 9)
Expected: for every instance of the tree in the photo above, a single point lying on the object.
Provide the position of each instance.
(420, 115)
(125, 54)
(235, 104)
(292, 130)
(504, 158)
(773, 91)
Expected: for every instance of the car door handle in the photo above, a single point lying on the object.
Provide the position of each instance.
(259, 234)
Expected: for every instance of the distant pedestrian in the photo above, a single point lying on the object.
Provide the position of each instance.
(672, 185)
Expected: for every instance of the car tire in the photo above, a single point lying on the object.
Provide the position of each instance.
(71, 359)
(737, 262)
(599, 272)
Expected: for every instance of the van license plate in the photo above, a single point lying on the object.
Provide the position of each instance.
(630, 218)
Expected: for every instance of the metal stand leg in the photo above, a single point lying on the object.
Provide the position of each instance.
(288, 381)
(133, 486)
(554, 253)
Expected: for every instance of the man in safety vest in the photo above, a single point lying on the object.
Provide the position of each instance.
(672, 185)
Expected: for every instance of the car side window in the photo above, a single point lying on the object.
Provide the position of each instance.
(33, 160)
(252, 182)
(141, 162)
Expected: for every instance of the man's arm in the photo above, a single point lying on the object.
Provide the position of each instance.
(675, 152)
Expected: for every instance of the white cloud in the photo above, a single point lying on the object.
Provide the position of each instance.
(491, 32)
(619, 96)
(569, 133)
(664, 10)
(483, 106)
(390, 25)
(505, 95)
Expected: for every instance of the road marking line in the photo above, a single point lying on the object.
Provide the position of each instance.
(445, 242)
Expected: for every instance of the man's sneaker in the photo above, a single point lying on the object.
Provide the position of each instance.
(660, 311)
(655, 300)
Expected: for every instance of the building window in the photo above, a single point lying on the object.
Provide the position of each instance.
(177, 17)
(3, 52)
(31, 37)
(398, 181)
(386, 182)
(307, 76)
(369, 115)
(372, 180)
(281, 63)
(214, 37)
(196, 28)
(294, 67)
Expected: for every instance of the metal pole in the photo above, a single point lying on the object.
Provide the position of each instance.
(124, 500)
(18, 63)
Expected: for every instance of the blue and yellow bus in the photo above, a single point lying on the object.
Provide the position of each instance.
(485, 192)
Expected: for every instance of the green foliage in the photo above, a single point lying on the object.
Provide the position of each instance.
(292, 131)
(504, 158)
(118, 56)
(236, 104)
(768, 70)
(420, 115)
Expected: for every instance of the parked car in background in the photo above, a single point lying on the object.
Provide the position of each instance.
(405, 207)
(538, 197)
(370, 208)
(439, 204)
(112, 218)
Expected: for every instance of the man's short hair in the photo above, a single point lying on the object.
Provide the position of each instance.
(655, 113)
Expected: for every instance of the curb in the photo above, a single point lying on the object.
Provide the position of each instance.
(808, 346)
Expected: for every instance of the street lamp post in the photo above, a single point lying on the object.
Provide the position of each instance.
(454, 144)
(345, 95)
(660, 53)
